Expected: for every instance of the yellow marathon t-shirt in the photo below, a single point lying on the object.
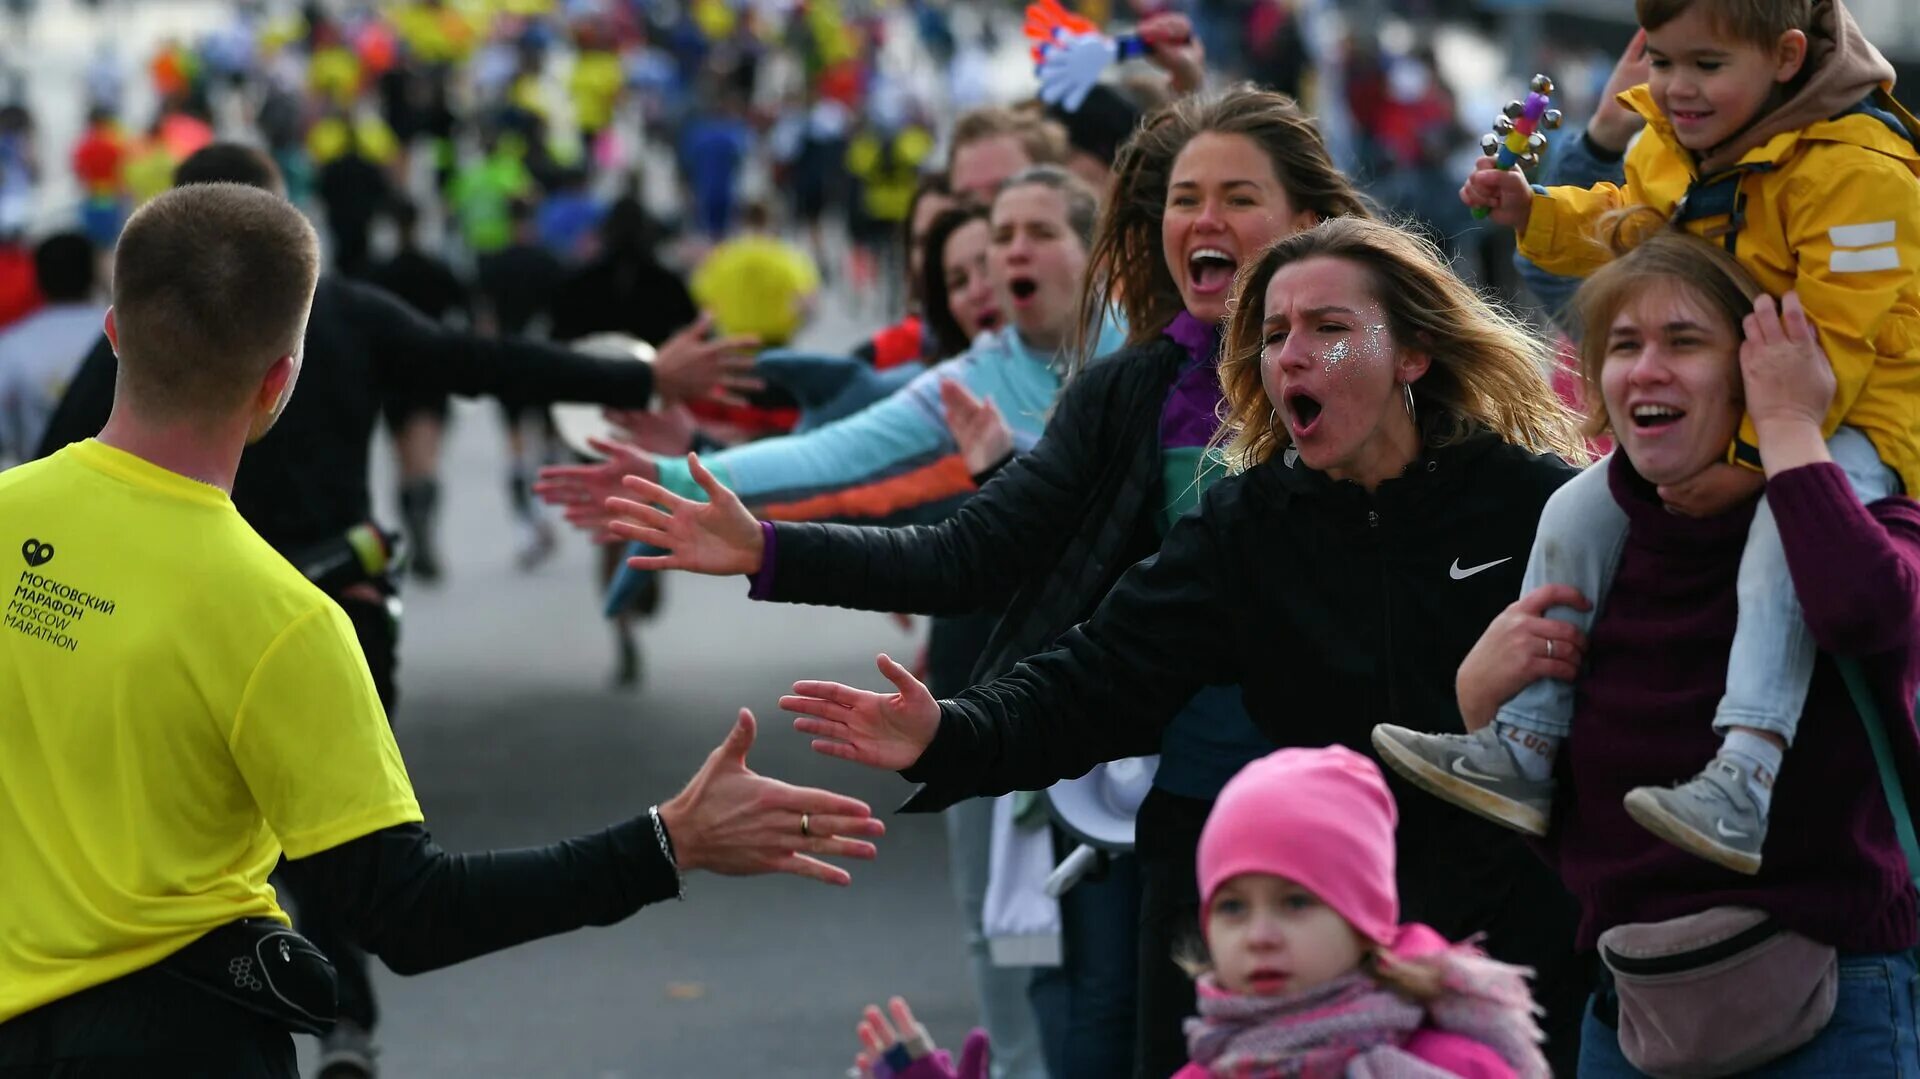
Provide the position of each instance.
(177, 706)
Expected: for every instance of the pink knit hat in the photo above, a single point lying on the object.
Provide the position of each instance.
(1323, 819)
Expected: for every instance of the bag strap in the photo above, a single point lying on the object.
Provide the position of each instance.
(1856, 679)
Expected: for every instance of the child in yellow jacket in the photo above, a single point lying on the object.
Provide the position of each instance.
(1770, 130)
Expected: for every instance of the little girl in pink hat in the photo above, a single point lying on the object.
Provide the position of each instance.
(1309, 972)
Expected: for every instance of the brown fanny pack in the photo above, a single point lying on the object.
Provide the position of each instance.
(1717, 993)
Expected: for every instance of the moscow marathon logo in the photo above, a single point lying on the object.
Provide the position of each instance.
(46, 609)
(36, 553)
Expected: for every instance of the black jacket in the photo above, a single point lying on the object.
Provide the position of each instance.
(1044, 540)
(1333, 610)
(306, 481)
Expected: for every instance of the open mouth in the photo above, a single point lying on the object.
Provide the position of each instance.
(1022, 289)
(1210, 270)
(1265, 980)
(1303, 412)
(1656, 417)
(988, 319)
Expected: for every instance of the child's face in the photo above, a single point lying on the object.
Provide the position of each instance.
(1267, 936)
(1711, 85)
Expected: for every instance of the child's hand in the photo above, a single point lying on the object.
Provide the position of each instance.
(1711, 491)
(1504, 194)
(908, 1052)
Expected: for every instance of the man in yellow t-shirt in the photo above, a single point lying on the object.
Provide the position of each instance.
(180, 707)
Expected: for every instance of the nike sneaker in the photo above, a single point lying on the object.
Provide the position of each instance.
(1711, 816)
(1473, 771)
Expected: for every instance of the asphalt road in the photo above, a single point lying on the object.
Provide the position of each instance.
(513, 736)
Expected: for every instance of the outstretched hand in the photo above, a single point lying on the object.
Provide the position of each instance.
(880, 730)
(689, 366)
(733, 821)
(717, 537)
(904, 1041)
(582, 491)
(982, 433)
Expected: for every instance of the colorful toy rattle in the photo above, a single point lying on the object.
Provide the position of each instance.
(1519, 132)
(1069, 52)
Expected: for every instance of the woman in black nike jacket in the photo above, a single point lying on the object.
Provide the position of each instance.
(1395, 439)
(1204, 185)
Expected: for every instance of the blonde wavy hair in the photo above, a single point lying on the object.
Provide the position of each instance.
(1488, 370)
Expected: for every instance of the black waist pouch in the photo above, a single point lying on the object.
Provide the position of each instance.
(264, 967)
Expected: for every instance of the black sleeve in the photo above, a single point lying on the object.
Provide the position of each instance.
(411, 353)
(1013, 528)
(419, 908)
(1105, 691)
(87, 404)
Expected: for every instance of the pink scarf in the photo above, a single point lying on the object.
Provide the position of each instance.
(1312, 1034)
(1354, 1026)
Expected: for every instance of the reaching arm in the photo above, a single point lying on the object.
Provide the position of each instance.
(948, 477)
(1104, 692)
(1558, 237)
(1013, 528)
(414, 353)
(1579, 162)
(419, 908)
(897, 434)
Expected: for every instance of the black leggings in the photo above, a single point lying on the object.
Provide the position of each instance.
(148, 1024)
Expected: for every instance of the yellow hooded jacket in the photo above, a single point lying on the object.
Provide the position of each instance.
(1830, 209)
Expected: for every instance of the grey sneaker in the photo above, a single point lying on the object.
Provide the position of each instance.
(1711, 816)
(1473, 771)
(347, 1052)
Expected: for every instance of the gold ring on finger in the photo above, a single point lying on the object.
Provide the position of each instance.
(805, 831)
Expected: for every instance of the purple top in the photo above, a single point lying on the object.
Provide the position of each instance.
(1655, 669)
(1192, 412)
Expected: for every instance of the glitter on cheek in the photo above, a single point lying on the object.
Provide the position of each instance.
(1375, 338)
(1334, 355)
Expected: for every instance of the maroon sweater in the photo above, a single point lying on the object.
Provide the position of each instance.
(1656, 666)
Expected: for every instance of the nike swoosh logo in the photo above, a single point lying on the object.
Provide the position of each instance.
(1720, 826)
(1454, 571)
(1461, 769)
